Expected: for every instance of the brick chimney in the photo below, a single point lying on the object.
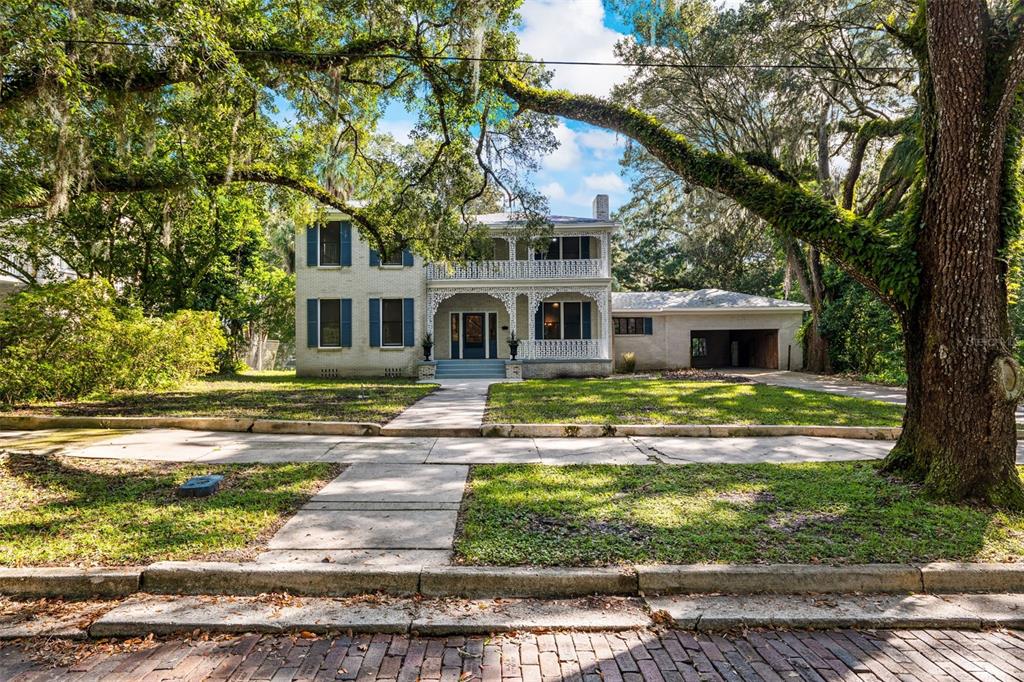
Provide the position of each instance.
(600, 207)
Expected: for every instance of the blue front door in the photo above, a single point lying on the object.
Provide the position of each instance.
(473, 337)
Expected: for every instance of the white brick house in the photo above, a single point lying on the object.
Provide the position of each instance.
(358, 313)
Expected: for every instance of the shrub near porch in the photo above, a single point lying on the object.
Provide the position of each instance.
(666, 401)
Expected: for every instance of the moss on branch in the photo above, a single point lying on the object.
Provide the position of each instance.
(877, 258)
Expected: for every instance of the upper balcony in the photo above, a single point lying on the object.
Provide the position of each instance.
(567, 256)
(580, 268)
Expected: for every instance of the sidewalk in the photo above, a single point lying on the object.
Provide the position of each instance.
(220, 447)
(455, 405)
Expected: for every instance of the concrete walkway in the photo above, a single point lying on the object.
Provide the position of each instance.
(455, 405)
(823, 383)
(219, 447)
(376, 515)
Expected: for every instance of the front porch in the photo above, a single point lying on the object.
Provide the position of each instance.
(561, 332)
(550, 324)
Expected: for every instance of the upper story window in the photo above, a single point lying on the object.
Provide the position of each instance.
(393, 257)
(565, 248)
(330, 243)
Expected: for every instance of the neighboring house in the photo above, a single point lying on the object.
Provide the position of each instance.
(359, 312)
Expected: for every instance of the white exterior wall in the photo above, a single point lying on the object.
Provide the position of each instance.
(359, 282)
(668, 347)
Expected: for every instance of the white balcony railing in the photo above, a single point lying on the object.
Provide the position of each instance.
(565, 349)
(520, 269)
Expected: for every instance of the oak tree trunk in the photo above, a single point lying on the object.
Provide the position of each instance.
(959, 433)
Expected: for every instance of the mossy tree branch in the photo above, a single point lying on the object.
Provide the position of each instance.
(876, 258)
(257, 173)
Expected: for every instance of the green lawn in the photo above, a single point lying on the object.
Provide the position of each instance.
(72, 511)
(719, 513)
(260, 395)
(666, 401)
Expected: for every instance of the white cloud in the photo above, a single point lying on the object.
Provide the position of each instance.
(602, 143)
(553, 190)
(572, 30)
(607, 183)
(568, 153)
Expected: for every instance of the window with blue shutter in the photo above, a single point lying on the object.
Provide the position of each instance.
(586, 320)
(312, 246)
(312, 322)
(409, 322)
(407, 258)
(374, 258)
(648, 326)
(346, 323)
(346, 243)
(375, 323)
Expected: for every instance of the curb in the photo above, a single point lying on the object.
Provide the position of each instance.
(73, 582)
(686, 431)
(330, 428)
(315, 580)
(486, 581)
(323, 580)
(788, 579)
(230, 424)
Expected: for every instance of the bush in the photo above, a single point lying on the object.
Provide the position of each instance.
(629, 362)
(66, 341)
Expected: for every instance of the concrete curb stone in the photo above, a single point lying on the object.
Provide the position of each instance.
(330, 579)
(778, 579)
(309, 579)
(69, 582)
(515, 581)
(687, 431)
(941, 577)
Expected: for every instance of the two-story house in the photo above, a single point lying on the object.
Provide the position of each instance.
(359, 312)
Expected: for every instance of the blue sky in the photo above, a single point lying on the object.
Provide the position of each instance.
(587, 160)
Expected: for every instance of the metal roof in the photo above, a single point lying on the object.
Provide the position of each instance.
(701, 299)
(515, 219)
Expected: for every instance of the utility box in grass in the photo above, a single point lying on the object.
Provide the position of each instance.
(200, 486)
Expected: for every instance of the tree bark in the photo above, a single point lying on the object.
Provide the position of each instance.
(948, 284)
(959, 434)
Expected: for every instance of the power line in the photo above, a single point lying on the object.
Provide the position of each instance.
(506, 60)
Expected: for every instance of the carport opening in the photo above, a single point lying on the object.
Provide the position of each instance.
(735, 348)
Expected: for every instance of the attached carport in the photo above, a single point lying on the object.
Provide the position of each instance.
(734, 348)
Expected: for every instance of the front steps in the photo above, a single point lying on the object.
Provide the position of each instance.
(470, 369)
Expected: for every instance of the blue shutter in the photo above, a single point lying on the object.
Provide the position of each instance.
(312, 322)
(409, 322)
(648, 326)
(346, 243)
(538, 323)
(374, 323)
(313, 246)
(586, 319)
(585, 248)
(346, 323)
(407, 258)
(374, 258)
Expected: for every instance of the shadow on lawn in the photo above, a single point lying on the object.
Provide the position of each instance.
(133, 506)
(600, 400)
(837, 513)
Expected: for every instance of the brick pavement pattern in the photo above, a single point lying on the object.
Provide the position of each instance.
(666, 656)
